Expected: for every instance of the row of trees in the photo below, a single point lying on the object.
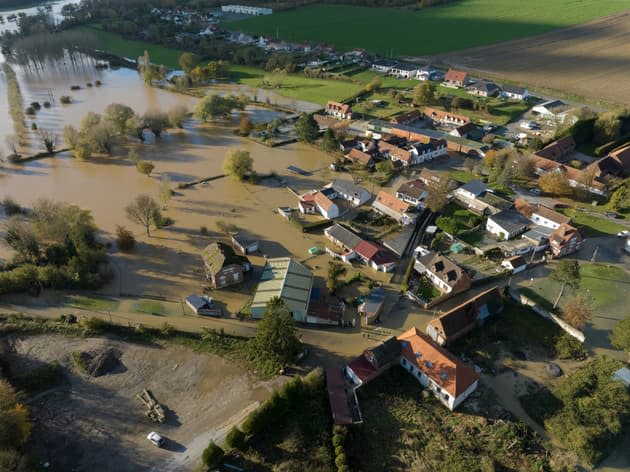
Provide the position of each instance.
(216, 106)
(15, 429)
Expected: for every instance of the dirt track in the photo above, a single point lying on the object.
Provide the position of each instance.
(96, 424)
(590, 60)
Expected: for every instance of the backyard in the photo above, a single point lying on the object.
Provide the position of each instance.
(470, 23)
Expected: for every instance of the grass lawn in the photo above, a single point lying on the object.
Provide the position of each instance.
(91, 303)
(150, 307)
(389, 108)
(403, 430)
(298, 87)
(462, 176)
(592, 226)
(366, 76)
(113, 43)
(403, 32)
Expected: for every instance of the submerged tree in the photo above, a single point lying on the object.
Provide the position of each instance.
(143, 211)
(239, 164)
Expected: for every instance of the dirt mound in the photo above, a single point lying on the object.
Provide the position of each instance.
(98, 363)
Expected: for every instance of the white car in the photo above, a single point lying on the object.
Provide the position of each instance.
(155, 438)
(623, 234)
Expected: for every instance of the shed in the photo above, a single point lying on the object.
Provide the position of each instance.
(371, 308)
(245, 243)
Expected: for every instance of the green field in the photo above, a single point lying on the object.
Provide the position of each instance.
(113, 43)
(593, 226)
(401, 32)
(91, 303)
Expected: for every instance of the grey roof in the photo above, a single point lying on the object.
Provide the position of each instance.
(510, 220)
(538, 233)
(407, 67)
(482, 85)
(343, 235)
(243, 239)
(373, 300)
(218, 255)
(413, 189)
(348, 188)
(514, 89)
(285, 278)
(476, 187)
(399, 243)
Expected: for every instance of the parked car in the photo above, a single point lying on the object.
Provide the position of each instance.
(623, 234)
(535, 191)
(612, 214)
(155, 438)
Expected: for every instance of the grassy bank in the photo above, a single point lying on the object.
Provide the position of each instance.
(591, 225)
(455, 26)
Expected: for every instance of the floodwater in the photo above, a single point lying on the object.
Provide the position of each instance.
(12, 25)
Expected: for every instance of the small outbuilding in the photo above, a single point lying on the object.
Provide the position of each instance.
(223, 266)
(244, 243)
(372, 306)
(515, 263)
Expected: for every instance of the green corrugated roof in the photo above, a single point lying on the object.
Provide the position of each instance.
(285, 278)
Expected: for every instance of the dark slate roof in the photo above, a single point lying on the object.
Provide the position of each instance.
(510, 220)
(374, 300)
(513, 89)
(413, 189)
(218, 255)
(476, 187)
(484, 86)
(386, 352)
(344, 236)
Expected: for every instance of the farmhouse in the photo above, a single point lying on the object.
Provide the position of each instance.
(483, 89)
(541, 215)
(359, 157)
(435, 368)
(372, 306)
(429, 73)
(444, 117)
(443, 273)
(565, 240)
(318, 202)
(389, 205)
(550, 109)
(430, 177)
(245, 243)
(287, 279)
(412, 192)
(456, 79)
(513, 92)
(464, 131)
(462, 319)
(507, 224)
(223, 266)
(246, 10)
(558, 151)
(342, 237)
(338, 110)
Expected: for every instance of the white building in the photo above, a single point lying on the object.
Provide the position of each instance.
(515, 263)
(507, 224)
(348, 191)
(246, 10)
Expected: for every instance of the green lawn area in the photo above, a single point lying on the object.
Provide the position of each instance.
(115, 44)
(591, 225)
(366, 76)
(389, 108)
(403, 32)
(462, 176)
(91, 303)
(151, 307)
(298, 87)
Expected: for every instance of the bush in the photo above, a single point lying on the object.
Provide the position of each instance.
(203, 231)
(29, 111)
(567, 347)
(339, 450)
(212, 454)
(47, 104)
(338, 440)
(75, 87)
(65, 99)
(341, 460)
(93, 325)
(125, 240)
(236, 439)
(11, 207)
(98, 83)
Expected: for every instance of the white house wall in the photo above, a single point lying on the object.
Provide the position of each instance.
(465, 394)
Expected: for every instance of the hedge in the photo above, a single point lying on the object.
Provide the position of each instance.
(212, 454)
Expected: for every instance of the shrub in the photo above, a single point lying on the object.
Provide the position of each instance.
(46, 104)
(75, 87)
(212, 454)
(65, 99)
(339, 450)
(29, 111)
(203, 231)
(98, 83)
(338, 440)
(567, 347)
(34, 126)
(341, 460)
(236, 439)
(125, 240)
(11, 207)
(166, 330)
(93, 325)
(36, 105)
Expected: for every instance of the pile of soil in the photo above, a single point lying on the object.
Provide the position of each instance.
(100, 363)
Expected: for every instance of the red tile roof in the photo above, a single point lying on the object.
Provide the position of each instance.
(363, 369)
(391, 202)
(357, 155)
(367, 249)
(456, 76)
(441, 115)
(338, 107)
(437, 363)
(323, 201)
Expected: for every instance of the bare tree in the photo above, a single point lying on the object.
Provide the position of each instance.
(577, 311)
(49, 140)
(143, 211)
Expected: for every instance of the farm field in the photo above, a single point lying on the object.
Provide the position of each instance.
(589, 61)
(472, 23)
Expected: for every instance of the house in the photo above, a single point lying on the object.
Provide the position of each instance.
(341, 111)
(541, 215)
(558, 151)
(320, 312)
(348, 191)
(391, 206)
(202, 305)
(359, 157)
(445, 376)
(444, 117)
(412, 192)
(374, 256)
(470, 190)
(428, 151)
(456, 79)
(373, 362)
(429, 73)
(464, 130)
(383, 65)
(443, 273)
(288, 280)
(565, 240)
(550, 109)
(482, 88)
(244, 243)
(407, 118)
(621, 157)
(327, 208)
(489, 204)
(404, 71)
(223, 266)
(246, 10)
(372, 306)
(461, 320)
(514, 93)
(507, 224)
(344, 238)
(515, 264)
(430, 177)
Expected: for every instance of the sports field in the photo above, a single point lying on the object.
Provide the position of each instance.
(403, 32)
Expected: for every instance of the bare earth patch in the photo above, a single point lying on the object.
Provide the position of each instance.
(591, 60)
(96, 423)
